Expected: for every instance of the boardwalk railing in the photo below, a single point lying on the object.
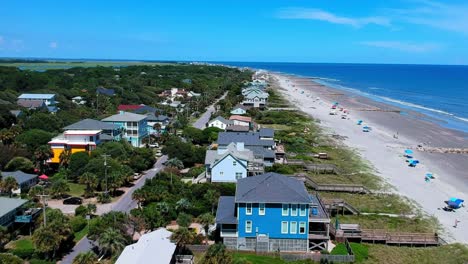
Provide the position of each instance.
(351, 188)
(332, 204)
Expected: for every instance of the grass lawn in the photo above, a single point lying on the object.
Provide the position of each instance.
(23, 243)
(80, 234)
(258, 259)
(76, 189)
(374, 203)
(392, 224)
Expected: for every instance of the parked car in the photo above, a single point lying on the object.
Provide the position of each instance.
(136, 176)
(154, 145)
(73, 200)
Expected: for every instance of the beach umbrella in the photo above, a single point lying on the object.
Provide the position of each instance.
(430, 175)
(455, 203)
(408, 151)
(359, 122)
(44, 177)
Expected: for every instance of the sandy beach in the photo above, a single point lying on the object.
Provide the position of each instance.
(385, 152)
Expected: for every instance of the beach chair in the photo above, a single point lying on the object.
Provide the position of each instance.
(359, 122)
(366, 129)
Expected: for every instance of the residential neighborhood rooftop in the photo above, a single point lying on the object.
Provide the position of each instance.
(9, 204)
(271, 188)
(241, 118)
(19, 176)
(36, 96)
(124, 117)
(226, 209)
(213, 156)
(249, 139)
(91, 124)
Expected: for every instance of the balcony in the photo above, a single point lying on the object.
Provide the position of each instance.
(318, 235)
(225, 232)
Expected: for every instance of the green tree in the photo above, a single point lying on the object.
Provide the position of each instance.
(206, 220)
(7, 258)
(88, 257)
(8, 185)
(183, 204)
(20, 163)
(182, 236)
(78, 162)
(111, 242)
(65, 158)
(91, 182)
(184, 220)
(59, 187)
(46, 241)
(217, 254)
(4, 237)
(174, 163)
(212, 197)
(34, 138)
(35, 191)
(41, 155)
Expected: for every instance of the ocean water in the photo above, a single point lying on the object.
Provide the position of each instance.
(439, 91)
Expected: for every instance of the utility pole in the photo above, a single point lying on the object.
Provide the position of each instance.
(44, 201)
(105, 169)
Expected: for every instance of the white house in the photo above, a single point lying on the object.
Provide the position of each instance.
(239, 110)
(219, 122)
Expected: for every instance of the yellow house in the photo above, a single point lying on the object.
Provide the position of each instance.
(75, 141)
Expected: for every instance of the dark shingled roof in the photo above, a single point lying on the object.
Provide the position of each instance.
(249, 139)
(19, 176)
(226, 210)
(271, 188)
(267, 132)
(159, 118)
(261, 151)
(91, 124)
(105, 91)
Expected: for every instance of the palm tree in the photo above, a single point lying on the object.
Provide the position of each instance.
(174, 163)
(206, 220)
(116, 179)
(59, 188)
(183, 204)
(42, 154)
(46, 240)
(35, 191)
(212, 197)
(91, 209)
(88, 257)
(157, 127)
(140, 196)
(91, 182)
(111, 242)
(65, 158)
(182, 236)
(8, 185)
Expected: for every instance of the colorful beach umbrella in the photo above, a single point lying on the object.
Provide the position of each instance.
(408, 151)
(44, 177)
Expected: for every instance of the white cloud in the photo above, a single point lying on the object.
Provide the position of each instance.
(318, 14)
(449, 17)
(53, 45)
(403, 46)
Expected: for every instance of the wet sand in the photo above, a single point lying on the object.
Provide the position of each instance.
(385, 152)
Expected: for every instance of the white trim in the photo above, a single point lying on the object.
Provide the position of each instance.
(282, 210)
(294, 210)
(293, 231)
(287, 227)
(248, 223)
(264, 209)
(305, 227)
(246, 209)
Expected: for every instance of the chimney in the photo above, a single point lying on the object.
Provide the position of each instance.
(240, 146)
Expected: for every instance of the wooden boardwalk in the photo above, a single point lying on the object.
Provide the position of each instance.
(350, 188)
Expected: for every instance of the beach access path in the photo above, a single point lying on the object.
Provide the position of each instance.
(205, 117)
(385, 152)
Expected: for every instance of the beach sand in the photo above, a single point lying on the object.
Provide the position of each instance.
(385, 152)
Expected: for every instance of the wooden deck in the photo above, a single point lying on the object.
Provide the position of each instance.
(350, 188)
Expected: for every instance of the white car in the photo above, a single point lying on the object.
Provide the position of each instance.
(155, 145)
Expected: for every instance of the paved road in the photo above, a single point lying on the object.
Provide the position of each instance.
(201, 122)
(124, 204)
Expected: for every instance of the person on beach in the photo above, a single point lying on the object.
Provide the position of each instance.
(456, 223)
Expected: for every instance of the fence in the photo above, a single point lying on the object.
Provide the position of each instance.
(198, 248)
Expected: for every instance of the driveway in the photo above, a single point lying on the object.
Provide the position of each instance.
(201, 122)
(124, 204)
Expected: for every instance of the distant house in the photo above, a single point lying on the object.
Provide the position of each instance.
(124, 107)
(219, 122)
(32, 105)
(134, 126)
(16, 113)
(262, 148)
(231, 163)
(153, 119)
(24, 180)
(237, 128)
(153, 247)
(255, 98)
(105, 91)
(78, 100)
(187, 81)
(273, 213)
(193, 94)
(239, 120)
(109, 132)
(48, 99)
(75, 141)
(8, 210)
(239, 110)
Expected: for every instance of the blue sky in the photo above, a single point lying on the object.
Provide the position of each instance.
(391, 31)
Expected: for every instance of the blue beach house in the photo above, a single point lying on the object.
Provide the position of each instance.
(272, 212)
(134, 126)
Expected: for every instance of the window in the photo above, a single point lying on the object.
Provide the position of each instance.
(91, 138)
(238, 175)
(302, 228)
(284, 227)
(221, 173)
(285, 210)
(293, 228)
(234, 163)
(293, 209)
(261, 209)
(248, 226)
(248, 209)
(303, 210)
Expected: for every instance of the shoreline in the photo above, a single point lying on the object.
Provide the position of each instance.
(385, 152)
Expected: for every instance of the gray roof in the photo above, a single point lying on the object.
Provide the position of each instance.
(226, 210)
(212, 156)
(271, 188)
(91, 124)
(261, 151)
(9, 204)
(222, 120)
(16, 113)
(32, 104)
(252, 95)
(267, 132)
(124, 117)
(159, 118)
(19, 176)
(249, 139)
(238, 128)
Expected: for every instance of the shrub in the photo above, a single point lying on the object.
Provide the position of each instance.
(10, 259)
(80, 210)
(104, 198)
(77, 223)
(40, 261)
(20, 163)
(24, 253)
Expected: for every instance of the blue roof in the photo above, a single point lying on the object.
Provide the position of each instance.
(36, 96)
(19, 176)
(226, 210)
